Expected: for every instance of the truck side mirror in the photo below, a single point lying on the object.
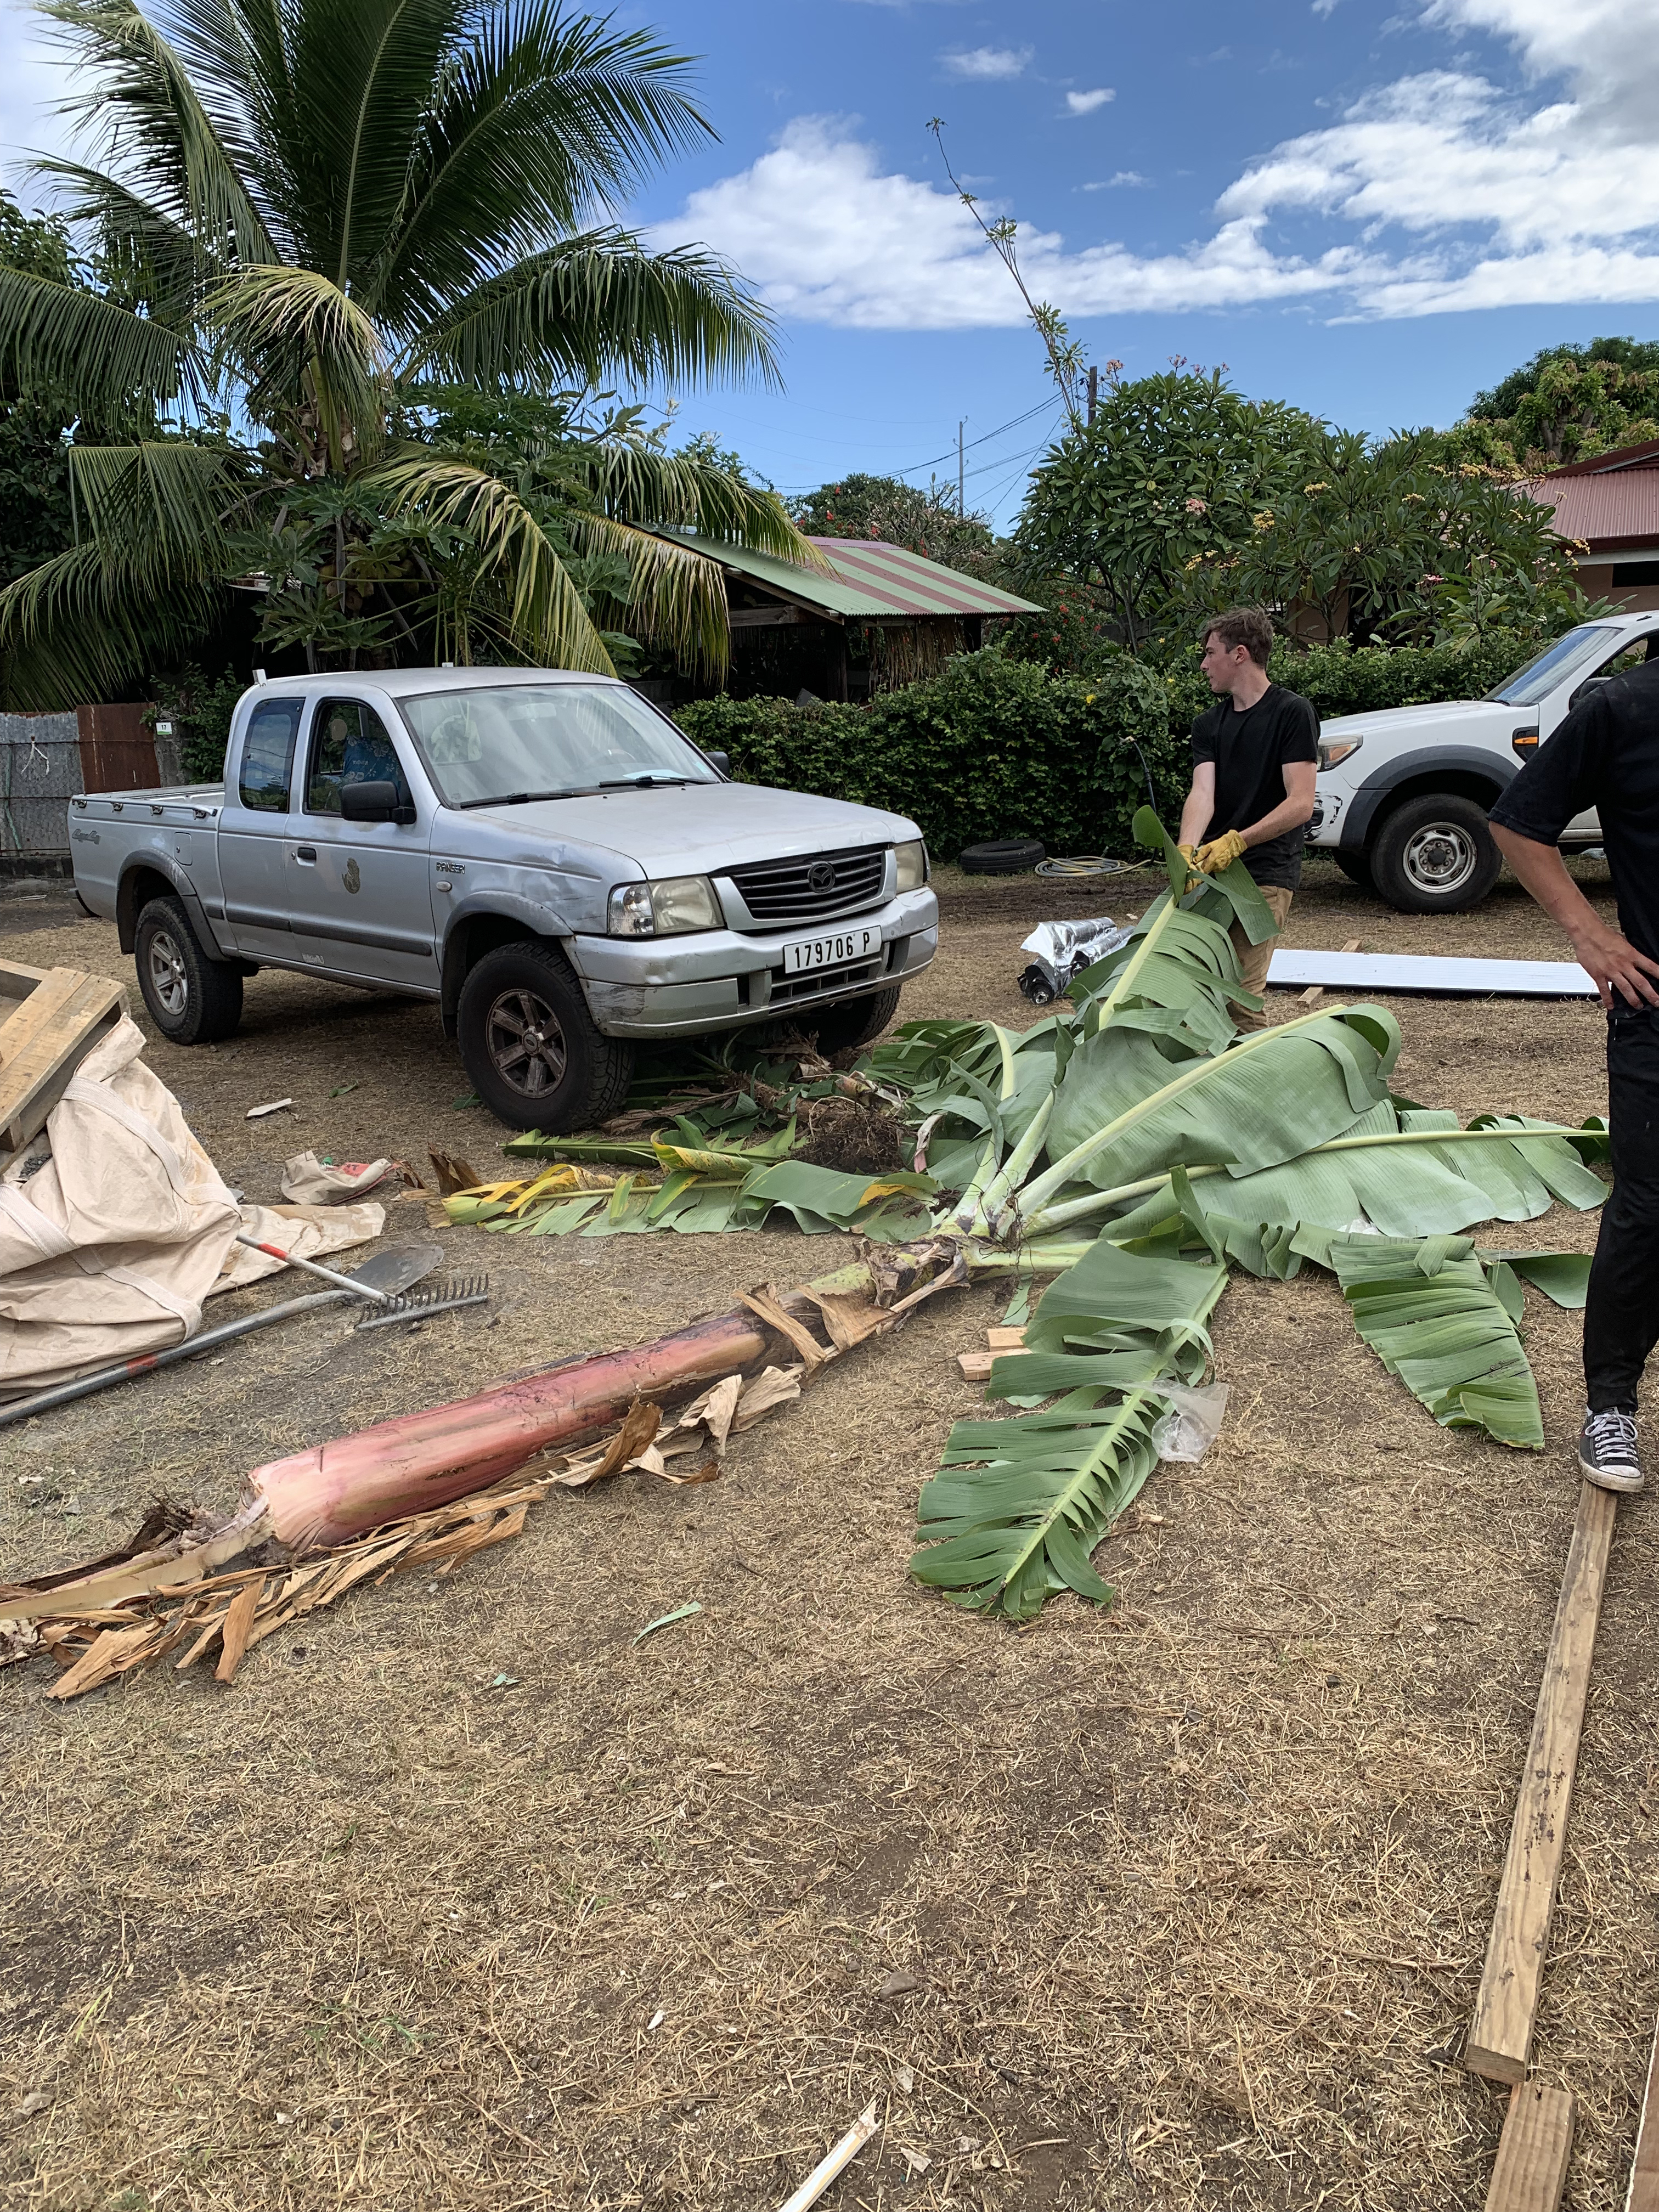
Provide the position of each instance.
(1585, 688)
(721, 761)
(373, 802)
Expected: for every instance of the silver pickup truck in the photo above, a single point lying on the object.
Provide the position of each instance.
(544, 854)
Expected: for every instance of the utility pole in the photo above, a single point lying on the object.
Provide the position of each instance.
(1094, 394)
(961, 504)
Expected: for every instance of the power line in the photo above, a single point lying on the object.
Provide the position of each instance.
(1043, 408)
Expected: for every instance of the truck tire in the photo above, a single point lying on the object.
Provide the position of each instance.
(535, 1055)
(1356, 867)
(1434, 855)
(192, 998)
(1002, 856)
(854, 1022)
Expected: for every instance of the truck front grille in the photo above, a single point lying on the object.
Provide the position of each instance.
(817, 887)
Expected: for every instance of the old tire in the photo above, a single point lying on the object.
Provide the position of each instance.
(1356, 867)
(1002, 856)
(854, 1022)
(192, 999)
(1434, 854)
(534, 1052)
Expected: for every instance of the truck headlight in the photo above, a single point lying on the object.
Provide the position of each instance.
(912, 859)
(667, 908)
(1338, 749)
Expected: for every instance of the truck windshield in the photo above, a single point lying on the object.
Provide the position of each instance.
(1569, 656)
(503, 742)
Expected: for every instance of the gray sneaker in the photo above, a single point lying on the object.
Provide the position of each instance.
(1606, 1452)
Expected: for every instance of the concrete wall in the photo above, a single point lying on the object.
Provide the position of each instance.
(40, 774)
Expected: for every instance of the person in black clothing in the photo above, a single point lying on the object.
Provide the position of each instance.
(1254, 758)
(1606, 755)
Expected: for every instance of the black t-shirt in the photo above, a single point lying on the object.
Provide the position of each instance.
(1605, 755)
(1250, 752)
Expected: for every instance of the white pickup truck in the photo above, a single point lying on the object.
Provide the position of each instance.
(1402, 794)
(543, 854)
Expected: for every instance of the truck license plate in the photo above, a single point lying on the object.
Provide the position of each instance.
(837, 951)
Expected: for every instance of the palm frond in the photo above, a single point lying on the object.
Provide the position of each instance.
(1428, 1310)
(103, 356)
(81, 625)
(158, 509)
(548, 622)
(677, 597)
(140, 106)
(159, 259)
(1049, 1484)
(535, 119)
(297, 336)
(600, 306)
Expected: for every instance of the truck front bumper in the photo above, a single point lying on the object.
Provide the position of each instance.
(716, 979)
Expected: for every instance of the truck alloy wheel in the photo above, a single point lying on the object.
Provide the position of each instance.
(526, 1043)
(168, 984)
(192, 999)
(535, 1055)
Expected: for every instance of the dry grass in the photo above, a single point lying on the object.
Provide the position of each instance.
(1194, 1893)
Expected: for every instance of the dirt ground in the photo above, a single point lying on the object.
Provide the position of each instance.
(460, 1898)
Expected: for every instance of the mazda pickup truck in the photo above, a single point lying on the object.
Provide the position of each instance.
(542, 853)
(1402, 794)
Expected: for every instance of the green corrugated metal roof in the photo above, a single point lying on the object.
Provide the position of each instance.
(871, 581)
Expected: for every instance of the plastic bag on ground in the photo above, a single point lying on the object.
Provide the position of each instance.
(1193, 1422)
(310, 1179)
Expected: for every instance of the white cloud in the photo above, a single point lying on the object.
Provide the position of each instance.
(1111, 183)
(1084, 103)
(989, 62)
(1442, 191)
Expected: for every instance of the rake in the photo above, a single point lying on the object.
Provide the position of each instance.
(441, 1297)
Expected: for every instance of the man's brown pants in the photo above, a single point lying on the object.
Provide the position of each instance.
(1253, 959)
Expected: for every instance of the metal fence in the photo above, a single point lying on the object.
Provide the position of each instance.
(40, 774)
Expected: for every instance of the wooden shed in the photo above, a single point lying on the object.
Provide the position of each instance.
(902, 614)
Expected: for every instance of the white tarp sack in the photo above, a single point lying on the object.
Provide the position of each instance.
(115, 1225)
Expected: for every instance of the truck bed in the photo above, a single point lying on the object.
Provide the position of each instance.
(105, 827)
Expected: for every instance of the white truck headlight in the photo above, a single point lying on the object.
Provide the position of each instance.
(912, 859)
(1338, 749)
(667, 908)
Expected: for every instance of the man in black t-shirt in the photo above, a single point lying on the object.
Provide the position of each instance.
(1255, 759)
(1606, 755)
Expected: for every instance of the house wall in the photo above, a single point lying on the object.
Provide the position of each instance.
(1598, 579)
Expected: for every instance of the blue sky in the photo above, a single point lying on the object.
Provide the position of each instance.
(1371, 211)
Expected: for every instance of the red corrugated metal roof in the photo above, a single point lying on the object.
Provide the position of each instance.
(1611, 512)
(913, 586)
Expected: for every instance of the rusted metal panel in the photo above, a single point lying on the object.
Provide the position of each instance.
(118, 748)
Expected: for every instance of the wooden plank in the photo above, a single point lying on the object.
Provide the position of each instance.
(16, 982)
(976, 1366)
(1006, 1339)
(1644, 2192)
(44, 1040)
(1530, 2170)
(1506, 2007)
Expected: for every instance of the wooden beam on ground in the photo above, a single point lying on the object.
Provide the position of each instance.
(1316, 991)
(48, 1031)
(1644, 2192)
(1506, 2007)
(1530, 2171)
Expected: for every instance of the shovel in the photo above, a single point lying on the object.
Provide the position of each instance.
(383, 1275)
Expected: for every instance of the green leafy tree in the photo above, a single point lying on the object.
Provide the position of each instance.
(1389, 542)
(899, 514)
(319, 221)
(1568, 404)
(1172, 474)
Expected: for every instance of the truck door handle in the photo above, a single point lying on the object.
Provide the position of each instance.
(306, 853)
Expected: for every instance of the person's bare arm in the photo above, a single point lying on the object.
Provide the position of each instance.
(1296, 807)
(1609, 958)
(1198, 804)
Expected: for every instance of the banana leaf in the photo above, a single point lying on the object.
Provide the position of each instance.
(1047, 1486)
(1427, 1310)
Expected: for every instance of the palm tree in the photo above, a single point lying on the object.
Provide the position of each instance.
(318, 225)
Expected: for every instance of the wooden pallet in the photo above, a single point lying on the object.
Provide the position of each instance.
(50, 1019)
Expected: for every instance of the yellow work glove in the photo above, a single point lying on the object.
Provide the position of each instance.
(1189, 854)
(1220, 853)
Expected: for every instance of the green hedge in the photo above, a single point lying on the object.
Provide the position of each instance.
(1342, 679)
(987, 748)
(994, 747)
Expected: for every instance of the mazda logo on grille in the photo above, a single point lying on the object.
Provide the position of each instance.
(821, 876)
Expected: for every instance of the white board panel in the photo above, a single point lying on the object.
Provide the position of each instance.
(1412, 971)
